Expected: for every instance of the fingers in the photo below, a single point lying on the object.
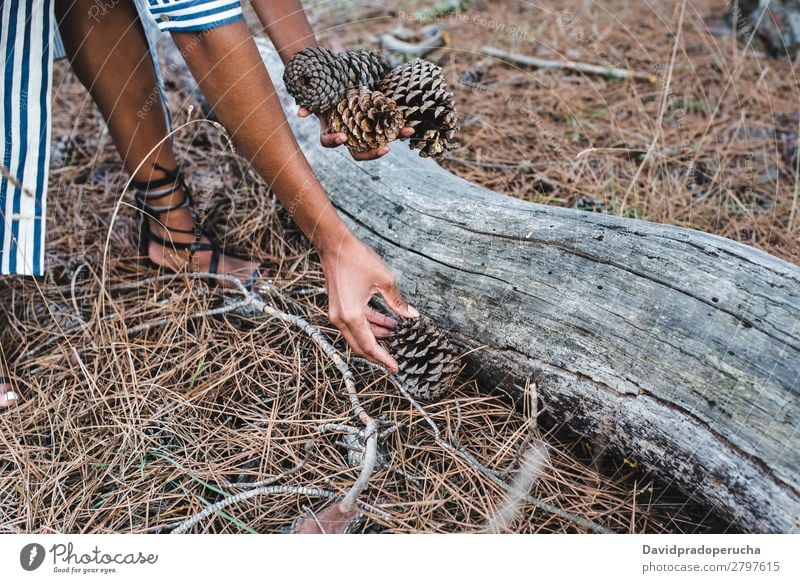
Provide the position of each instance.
(364, 343)
(326, 138)
(332, 140)
(379, 331)
(370, 348)
(369, 154)
(360, 335)
(382, 320)
(394, 299)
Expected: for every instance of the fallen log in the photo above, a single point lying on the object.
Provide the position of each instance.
(677, 349)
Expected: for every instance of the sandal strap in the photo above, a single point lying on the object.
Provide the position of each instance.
(214, 264)
(154, 194)
(184, 231)
(254, 277)
(192, 247)
(157, 210)
(158, 188)
(170, 177)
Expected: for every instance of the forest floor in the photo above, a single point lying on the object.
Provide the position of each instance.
(718, 153)
(141, 407)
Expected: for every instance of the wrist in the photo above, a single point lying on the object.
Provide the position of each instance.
(332, 238)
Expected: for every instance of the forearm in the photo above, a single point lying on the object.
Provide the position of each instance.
(229, 69)
(286, 24)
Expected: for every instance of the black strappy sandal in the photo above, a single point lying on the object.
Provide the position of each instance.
(156, 189)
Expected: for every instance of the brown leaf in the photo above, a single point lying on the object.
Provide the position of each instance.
(329, 520)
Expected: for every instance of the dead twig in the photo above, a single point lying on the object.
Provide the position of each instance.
(328, 349)
(589, 69)
(414, 49)
(242, 496)
(529, 471)
(370, 457)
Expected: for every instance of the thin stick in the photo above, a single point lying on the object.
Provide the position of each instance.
(242, 496)
(193, 316)
(370, 457)
(329, 427)
(613, 72)
(328, 349)
(528, 474)
(428, 45)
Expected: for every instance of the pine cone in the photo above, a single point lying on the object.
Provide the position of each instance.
(318, 78)
(362, 68)
(428, 361)
(419, 89)
(369, 119)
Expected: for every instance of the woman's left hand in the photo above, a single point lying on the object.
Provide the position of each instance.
(334, 140)
(353, 273)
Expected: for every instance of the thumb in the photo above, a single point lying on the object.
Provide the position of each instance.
(394, 299)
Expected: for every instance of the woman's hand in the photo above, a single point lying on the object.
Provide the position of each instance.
(334, 140)
(237, 86)
(353, 273)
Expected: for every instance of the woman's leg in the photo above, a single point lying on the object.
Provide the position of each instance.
(110, 56)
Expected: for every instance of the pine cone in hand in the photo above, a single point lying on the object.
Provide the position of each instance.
(369, 119)
(318, 78)
(428, 361)
(362, 68)
(419, 89)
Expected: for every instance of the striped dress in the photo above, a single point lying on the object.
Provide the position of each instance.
(29, 43)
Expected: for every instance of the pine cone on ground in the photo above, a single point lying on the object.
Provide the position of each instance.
(369, 119)
(419, 89)
(318, 78)
(428, 361)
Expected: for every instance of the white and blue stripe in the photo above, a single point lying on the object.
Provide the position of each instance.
(28, 43)
(25, 42)
(194, 15)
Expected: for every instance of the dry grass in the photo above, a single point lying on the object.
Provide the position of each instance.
(724, 159)
(122, 432)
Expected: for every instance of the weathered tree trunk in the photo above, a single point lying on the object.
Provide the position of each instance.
(678, 349)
